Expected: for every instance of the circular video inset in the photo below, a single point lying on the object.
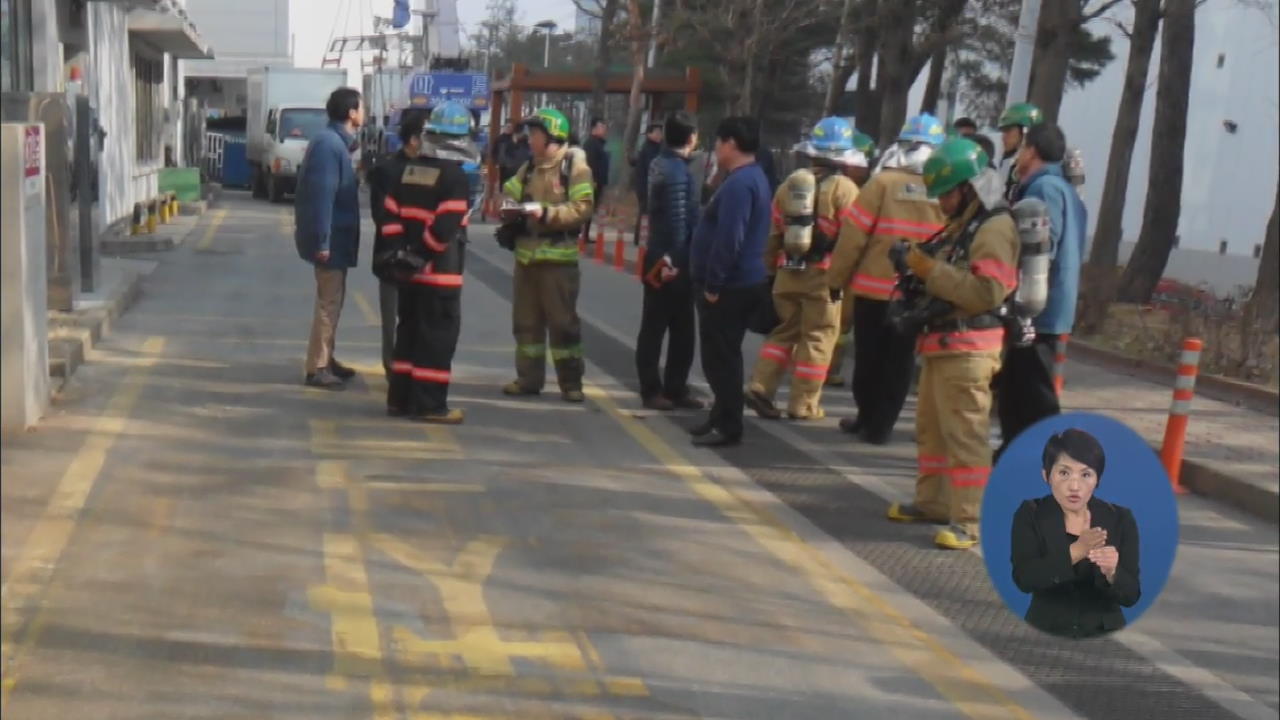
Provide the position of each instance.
(1079, 525)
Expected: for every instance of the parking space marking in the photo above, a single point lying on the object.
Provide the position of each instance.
(215, 221)
(23, 616)
(968, 691)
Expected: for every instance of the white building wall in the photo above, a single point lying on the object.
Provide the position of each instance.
(242, 33)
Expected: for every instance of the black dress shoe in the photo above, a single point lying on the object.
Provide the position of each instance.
(325, 380)
(853, 426)
(342, 372)
(716, 439)
(702, 429)
(875, 438)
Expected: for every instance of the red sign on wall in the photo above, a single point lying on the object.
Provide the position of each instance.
(31, 152)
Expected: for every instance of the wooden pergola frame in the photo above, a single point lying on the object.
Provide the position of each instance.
(508, 94)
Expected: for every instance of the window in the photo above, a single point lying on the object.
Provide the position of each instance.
(148, 77)
(16, 72)
(302, 124)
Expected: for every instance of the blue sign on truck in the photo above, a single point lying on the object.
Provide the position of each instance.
(431, 89)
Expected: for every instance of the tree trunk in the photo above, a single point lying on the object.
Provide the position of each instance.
(841, 63)
(1264, 305)
(1105, 253)
(1059, 20)
(604, 56)
(635, 27)
(933, 87)
(866, 100)
(895, 30)
(747, 98)
(1169, 133)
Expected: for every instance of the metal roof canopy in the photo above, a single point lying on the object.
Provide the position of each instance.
(510, 90)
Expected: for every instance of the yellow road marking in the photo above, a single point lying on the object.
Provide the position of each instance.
(45, 544)
(972, 694)
(348, 599)
(214, 221)
(371, 315)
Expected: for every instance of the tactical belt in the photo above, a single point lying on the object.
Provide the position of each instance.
(986, 321)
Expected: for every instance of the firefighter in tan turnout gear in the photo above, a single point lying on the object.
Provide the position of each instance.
(892, 206)
(809, 213)
(548, 200)
(955, 296)
(859, 174)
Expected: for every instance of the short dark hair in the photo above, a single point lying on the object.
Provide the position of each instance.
(411, 126)
(678, 129)
(964, 122)
(1077, 445)
(341, 102)
(743, 131)
(1048, 142)
(597, 120)
(987, 146)
(651, 127)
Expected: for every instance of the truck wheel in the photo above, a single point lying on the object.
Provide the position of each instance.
(259, 185)
(274, 193)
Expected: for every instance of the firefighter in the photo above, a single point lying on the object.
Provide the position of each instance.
(807, 212)
(426, 207)
(892, 206)
(551, 198)
(965, 276)
(1013, 124)
(859, 174)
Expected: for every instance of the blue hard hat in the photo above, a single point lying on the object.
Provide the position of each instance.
(832, 135)
(450, 118)
(923, 128)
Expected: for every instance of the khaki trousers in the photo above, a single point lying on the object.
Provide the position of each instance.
(545, 307)
(953, 419)
(331, 291)
(803, 341)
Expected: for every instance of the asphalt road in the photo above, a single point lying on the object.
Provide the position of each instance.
(194, 534)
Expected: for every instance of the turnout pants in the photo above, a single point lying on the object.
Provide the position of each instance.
(722, 325)
(545, 308)
(952, 424)
(842, 340)
(668, 311)
(1024, 388)
(426, 338)
(883, 360)
(387, 305)
(804, 339)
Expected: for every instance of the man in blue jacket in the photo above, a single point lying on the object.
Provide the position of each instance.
(327, 220)
(727, 266)
(668, 291)
(1024, 387)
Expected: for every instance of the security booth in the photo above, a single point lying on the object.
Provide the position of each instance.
(663, 90)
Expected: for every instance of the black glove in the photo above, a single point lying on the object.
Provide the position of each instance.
(898, 256)
(836, 295)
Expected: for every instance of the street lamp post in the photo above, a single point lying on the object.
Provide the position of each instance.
(546, 26)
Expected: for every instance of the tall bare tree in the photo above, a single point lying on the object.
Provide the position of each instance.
(1264, 305)
(842, 59)
(1105, 254)
(1163, 206)
(1060, 34)
(910, 31)
(637, 34)
(606, 11)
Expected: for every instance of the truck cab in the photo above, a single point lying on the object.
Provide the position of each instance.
(288, 130)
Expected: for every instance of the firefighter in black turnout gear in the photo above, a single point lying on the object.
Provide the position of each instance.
(423, 236)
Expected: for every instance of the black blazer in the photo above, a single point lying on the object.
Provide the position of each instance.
(1073, 601)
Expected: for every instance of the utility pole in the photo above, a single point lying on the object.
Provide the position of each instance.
(1024, 50)
(546, 26)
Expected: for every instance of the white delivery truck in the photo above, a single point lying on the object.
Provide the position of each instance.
(286, 108)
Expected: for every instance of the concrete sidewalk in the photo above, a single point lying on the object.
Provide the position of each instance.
(1232, 454)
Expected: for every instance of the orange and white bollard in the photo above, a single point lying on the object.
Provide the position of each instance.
(1059, 362)
(1175, 431)
(619, 254)
(640, 263)
(644, 231)
(599, 257)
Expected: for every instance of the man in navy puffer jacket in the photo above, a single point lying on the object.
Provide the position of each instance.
(668, 290)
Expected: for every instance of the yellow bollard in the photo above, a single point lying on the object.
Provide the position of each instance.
(164, 210)
(173, 204)
(136, 227)
(151, 217)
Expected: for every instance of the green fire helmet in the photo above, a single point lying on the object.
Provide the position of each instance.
(552, 121)
(1022, 114)
(864, 143)
(953, 162)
